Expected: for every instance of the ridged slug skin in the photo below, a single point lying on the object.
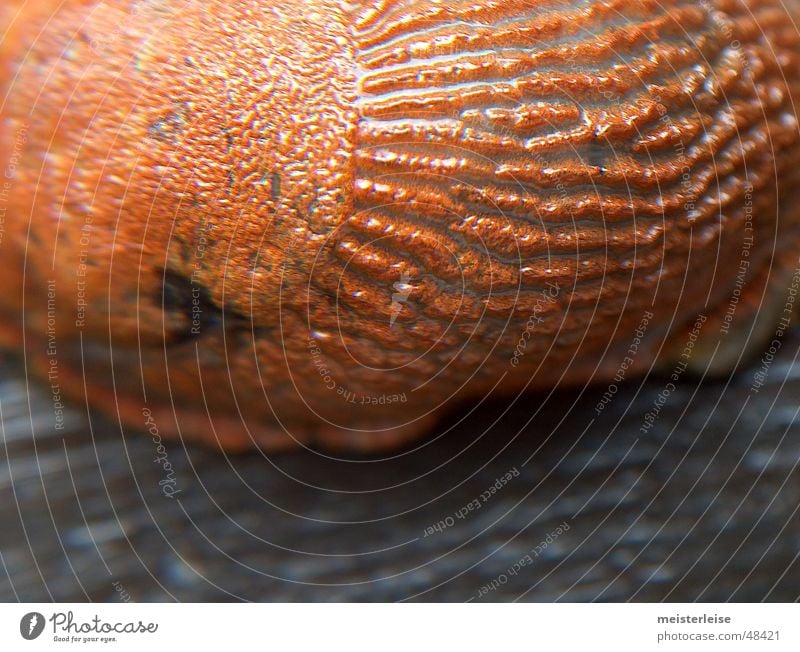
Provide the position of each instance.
(325, 222)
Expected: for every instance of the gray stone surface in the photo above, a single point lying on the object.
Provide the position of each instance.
(705, 506)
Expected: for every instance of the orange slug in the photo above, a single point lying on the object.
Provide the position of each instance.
(324, 222)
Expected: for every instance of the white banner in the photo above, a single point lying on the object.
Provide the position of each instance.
(399, 627)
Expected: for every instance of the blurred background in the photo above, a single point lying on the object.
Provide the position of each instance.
(540, 499)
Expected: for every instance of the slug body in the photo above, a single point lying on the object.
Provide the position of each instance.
(325, 222)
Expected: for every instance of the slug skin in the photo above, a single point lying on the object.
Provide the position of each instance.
(323, 223)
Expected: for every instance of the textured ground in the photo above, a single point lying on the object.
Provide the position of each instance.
(703, 507)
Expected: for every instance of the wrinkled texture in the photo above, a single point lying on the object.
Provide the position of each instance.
(326, 222)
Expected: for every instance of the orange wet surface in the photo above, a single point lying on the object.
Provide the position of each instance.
(271, 223)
